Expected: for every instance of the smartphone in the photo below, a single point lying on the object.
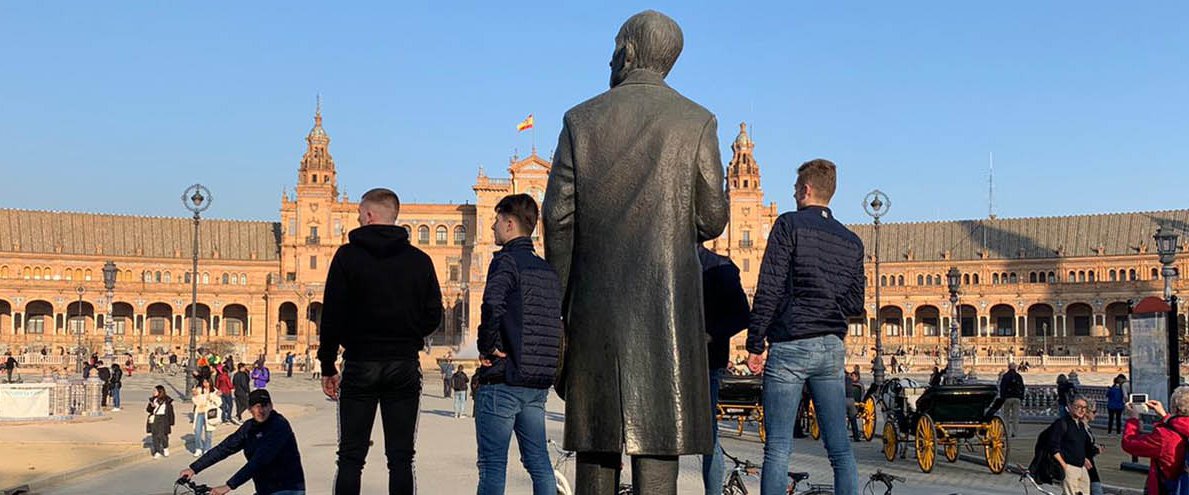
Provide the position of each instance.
(1139, 398)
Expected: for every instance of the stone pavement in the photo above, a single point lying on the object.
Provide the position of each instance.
(446, 455)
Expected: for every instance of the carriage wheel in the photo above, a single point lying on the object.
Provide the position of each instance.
(951, 451)
(995, 445)
(889, 441)
(760, 421)
(869, 419)
(815, 430)
(926, 438)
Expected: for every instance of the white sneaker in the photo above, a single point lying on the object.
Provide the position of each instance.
(197, 452)
(114, 409)
(157, 455)
(166, 450)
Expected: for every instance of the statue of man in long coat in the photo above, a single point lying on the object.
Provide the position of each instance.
(636, 185)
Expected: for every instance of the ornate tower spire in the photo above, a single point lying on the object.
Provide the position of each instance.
(743, 174)
(317, 166)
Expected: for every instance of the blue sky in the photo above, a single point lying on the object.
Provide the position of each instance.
(117, 107)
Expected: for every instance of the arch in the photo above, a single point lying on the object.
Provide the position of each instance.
(122, 316)
(1080, 319)
(235, 320)
(86, 274)
(965, 279)
(314, 315)
(408, 230)
(68, 274)
(79, 317)
(1113, 276)
(891, 320)
(1073, 276)
(440, 235)
(1003, 320)
(1040, 320)
(1032, 277)
(39, 315)
(27, 273)
(203, 319)
(921, 279)
(974, 278)
(1155, 274)
(460, 235)
(159, 318)
(423, 234)
(928, 320)
(1118, 321)
(37, 273)
(287, 314)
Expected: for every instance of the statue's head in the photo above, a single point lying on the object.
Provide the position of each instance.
(649, 40)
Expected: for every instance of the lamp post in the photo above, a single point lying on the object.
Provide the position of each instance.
(1166, 247)
(954, 367)
(109, 284)
(197, 199)
(1044, 333)
(876, 204)
(79, 331)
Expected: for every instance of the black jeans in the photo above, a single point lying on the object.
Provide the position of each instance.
(396, 387)
(241, 405)
(1114, 420)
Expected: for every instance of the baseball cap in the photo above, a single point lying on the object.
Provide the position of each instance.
(259, 396)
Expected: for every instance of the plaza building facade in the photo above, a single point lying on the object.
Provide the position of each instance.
(1060, 285)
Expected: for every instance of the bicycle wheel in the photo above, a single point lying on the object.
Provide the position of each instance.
(563, 485)
(734, 487)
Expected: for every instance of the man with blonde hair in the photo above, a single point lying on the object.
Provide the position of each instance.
(381, 300)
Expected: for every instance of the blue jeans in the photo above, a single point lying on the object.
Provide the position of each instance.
(460, 402)
(115, 397)
(817, 362)
(226, 409)
(712, 465)
(499, 410)
(202, 438)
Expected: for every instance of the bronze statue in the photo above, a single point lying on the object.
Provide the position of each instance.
(636, 185)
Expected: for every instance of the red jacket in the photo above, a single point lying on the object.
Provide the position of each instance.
(1163, 446)
(223, 383)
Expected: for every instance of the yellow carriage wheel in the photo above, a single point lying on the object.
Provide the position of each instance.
(869, 419)
(951, 451)
(889, 441)
(815, 430)
(995, 445)
(926, 443)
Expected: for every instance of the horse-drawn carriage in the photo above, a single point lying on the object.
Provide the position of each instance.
(741, 398)
(945, 416)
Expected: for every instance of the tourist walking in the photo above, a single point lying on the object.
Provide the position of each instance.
(724, 304)
(289, 365)
(1115, 402)
(458, 382)
(260, 375)
(1165, 446)
(519, 342)
(1011, 390)
(160, 421)
(242, 386)
(103, 373)
(269, 445)
(381, 301)
(1071, 446)
(446, 365)
(206, 415)
(226, 392)
(1066, 390)
(10, 364)
(811, 281)
(115, 384)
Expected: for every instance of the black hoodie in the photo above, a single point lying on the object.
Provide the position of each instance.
(382, 299)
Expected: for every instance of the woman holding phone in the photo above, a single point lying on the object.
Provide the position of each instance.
(1165, 445)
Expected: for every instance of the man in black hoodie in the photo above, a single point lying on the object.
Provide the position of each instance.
(382, 299)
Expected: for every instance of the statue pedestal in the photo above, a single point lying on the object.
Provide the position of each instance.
(25, 400)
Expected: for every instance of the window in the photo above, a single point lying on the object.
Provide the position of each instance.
(921, 279)
(454, 272)
(1003, 326)
(1052, 277)
(313, 262)
(157, 277)
(883, 280)
(460, 235)
(68, 274)
(968, 329)
(746, 241)
(226, 279)
(1073, 276)
(86, 277)
(206, 278)
(1131, 275)
(1081, 326)
(35, 324)
(440, 235)
(966, 279)
(77, 324)
(746, 265)
(928, 280)
(1012, 279)
(168, 278)
(157, 325)
(995, 278)
(243, 279)
(4, 271)
(119, 325)
(930, 326)
(1113, 277)
(1155, 274)
(233, 327)
(292, 226)
(338, 227)
(234, 279)
(423, 235)
(187, 277)
(1121, 325)
(892, 326)
(1032, 277)
(900, 280)
(314, 231)
(855, 328)
(290, 276)
(1090, 276)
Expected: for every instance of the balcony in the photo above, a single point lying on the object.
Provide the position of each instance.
(746, 243)
(313, 240)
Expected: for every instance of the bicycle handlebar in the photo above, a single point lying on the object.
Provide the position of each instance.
(745, 463)
(886, 478)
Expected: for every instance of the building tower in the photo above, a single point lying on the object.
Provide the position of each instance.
(747, 232)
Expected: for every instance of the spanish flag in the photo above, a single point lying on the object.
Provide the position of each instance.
(527, 123)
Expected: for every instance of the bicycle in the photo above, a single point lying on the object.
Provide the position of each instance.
(882, 477)
(186, 486)
(559, 465)
(734, 484)
(814, 488)
(1026, 479)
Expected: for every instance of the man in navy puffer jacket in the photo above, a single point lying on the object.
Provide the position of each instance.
(520, 336)
(811, 280)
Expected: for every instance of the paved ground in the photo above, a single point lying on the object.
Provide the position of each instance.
(445, 457)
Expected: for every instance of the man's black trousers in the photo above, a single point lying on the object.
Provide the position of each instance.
(396, 387)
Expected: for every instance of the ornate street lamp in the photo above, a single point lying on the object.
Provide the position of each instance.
(79, 331)
(196, 199)
(109, 284)
(1166, 247)
(954, 372)
(877, 204)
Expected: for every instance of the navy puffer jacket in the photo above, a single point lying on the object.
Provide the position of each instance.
(521, 316)
(811, 280)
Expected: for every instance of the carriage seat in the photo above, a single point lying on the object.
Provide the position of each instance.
(798, 477)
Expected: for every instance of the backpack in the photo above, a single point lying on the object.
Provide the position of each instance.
(1180, 484)
(459, 382)
(1044, 467)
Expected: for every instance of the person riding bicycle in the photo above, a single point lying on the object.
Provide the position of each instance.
(274, 462)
